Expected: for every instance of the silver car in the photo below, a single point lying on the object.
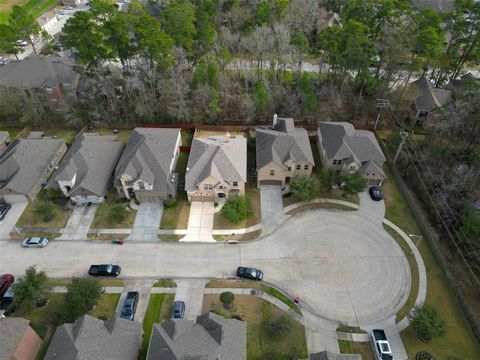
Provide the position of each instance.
(35, 242)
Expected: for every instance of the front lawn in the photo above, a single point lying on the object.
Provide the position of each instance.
(47, 200)
(103, 282)
(175, 216)
(106, 306)
(159, 309)
(458, 341)
(104, 217)
(258, 314)
(353, 347)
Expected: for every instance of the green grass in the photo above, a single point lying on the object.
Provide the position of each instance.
(459, 341)
(106, 306)
(283, 298)
(362, 348)
(13, 131)
(102, 216)
(122, 135)
(350, 329)
(187, 137)
(104, 282)
(68, 135)
(165, 283)
(34, 7)
(159, 309)
(30, 218)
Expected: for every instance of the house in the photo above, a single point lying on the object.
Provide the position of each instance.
(146, 169)
(327, 19)
(343, 147)
(50, 78)
(85, 172)
(89, 338)
(465, 83)
(47, 20)
(18, 341)
(217, 168)
(210, 337)
(426, 101)
(4, 139)
(26, 164)
(283, 151)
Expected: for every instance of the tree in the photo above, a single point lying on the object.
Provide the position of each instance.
(81, 297)
(353, 182)
(328, 178)
(179, 21)
(279, 326)
(227, 299)
(32, 290)
(118, 214)
(236, 209)
(426, 320)
(305, 187)
(8, 41)
(261, 96)
(25, 26)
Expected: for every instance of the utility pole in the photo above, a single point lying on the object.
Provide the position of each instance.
(404, 136)
(381, 104)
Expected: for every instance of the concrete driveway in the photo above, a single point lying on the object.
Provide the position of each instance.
(271, 201)
(19, 203)
(200, 222)
(144, 288)
(147, 222)
(343, 267)
(79, 223)
(372, 210)
(191, 292)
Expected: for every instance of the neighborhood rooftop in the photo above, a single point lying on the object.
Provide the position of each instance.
(222, 157)
(426, 96)
(37, 71)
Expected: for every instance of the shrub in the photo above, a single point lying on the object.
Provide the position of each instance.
(227, 299)
(279, 326)
(426, 320)
(118, 213)
(305, 187)
(236, 209)
(170, 203)
(32, 290)
(82, 295)
(353, 183)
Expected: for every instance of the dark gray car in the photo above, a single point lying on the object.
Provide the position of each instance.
(178, 310)
(129, 306)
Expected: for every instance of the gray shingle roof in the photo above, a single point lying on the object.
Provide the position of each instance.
(281, 143)
(92, 158)
(341, 141)
(35, 71)
(211, 337)
(11, 332)
(218, 157)
(426, 96)
(89, 338)
(24, 161)
(147, 156)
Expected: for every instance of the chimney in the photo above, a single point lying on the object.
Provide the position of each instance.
(227, 136)
(275, 119)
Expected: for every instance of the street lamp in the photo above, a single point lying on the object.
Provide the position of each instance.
(419, 237)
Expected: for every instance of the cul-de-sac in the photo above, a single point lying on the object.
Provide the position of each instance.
(239, 180)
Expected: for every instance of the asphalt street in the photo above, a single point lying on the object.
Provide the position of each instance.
(343, 267)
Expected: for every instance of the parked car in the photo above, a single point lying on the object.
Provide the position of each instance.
(130, 306)
(4, 207)
(6, 303)
(3, 61)
(5, 281)
(375, 193)
(35, 242)
(178, 310)
(249, 273)
(104, 270)
(68, 8)
(22, 43)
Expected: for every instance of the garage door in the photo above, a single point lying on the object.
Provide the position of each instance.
(270, 182)
(209, 198)
(148, 197)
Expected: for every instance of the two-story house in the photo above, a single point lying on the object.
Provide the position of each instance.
(146, 169)
(343, 147)
(85, 172)
(217, 168)
(283, 151)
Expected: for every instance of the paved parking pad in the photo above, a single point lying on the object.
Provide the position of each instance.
(147, 222)
(200, 222)
(18, 203)
(271, 201)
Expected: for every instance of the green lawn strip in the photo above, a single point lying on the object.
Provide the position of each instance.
(12, 130)
(122, 135)
(165, 283)
(244, 284)
(458, 340)
(104, 282)
(350, 329)
(106, 306)
(319, 206)
(283, 298)
(31, 218)
(68, 135)
(352, 347)
(158, 309)
(187, 137)
(175, 216)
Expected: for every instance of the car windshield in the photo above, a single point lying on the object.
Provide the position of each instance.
(109, 268)
(385, 347)
(254, 273)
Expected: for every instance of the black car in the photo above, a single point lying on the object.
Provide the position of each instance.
(104, 270)
(375, 193)
(178, 310)
(4, 207)
(249, 273)
(129, 306)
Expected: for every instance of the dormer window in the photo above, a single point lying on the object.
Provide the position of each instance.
(272, 172)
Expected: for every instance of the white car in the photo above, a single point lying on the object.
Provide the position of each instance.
(22, 43)
(35, 242)
(68, 8)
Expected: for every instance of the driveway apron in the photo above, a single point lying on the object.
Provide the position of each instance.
(191, 291)
(147, 222)
(79, 223)
(200, 222)
(374, 211)
(18, 203)
(144, 288)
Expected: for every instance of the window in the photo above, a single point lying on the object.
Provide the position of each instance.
(141, 185)
(235, 183)
(305, 167)
(220, 187)
(299, 167)
(289, 168)
(205, 186)
(272, 172)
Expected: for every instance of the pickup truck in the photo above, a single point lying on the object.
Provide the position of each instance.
(104, 270)
(381, 347)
